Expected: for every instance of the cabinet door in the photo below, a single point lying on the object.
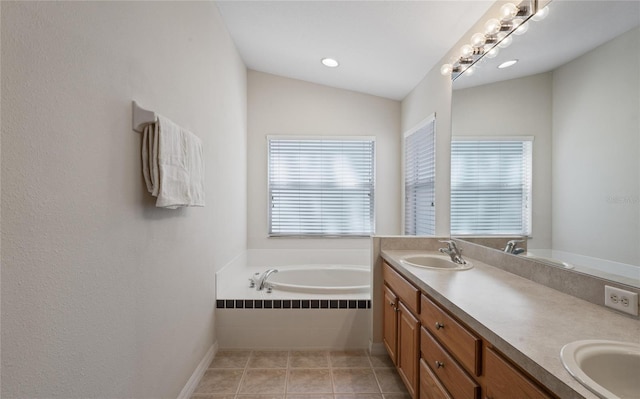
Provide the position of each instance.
(408, 348)
(390, 327)
(505, 382)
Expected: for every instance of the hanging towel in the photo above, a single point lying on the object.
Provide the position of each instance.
(172, 165)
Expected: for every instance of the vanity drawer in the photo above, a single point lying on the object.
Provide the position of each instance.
(407, 293)
(504, 381)
(430, 387)
(464, 345)
(449, 372)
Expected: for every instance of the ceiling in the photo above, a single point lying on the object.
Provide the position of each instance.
(385, 48)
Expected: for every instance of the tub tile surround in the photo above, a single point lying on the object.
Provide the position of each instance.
(534, 320)
(297, 374)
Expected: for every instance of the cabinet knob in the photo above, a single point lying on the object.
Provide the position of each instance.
(439, 325)
(439, 364)
(391, 304)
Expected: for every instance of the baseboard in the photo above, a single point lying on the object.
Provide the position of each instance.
(194, 380)
(377, 348)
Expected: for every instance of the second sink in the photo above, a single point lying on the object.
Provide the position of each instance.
(434, 262)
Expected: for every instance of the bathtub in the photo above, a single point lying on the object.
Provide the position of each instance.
(320, 299)
(321, 279)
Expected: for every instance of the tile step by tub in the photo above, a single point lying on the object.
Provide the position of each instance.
(293, 304)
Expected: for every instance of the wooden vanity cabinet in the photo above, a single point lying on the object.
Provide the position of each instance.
(504, 381)
(401, 331)
(438, 357)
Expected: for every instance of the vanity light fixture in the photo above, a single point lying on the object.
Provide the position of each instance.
(507, 64)
(330, 62)
(497, 34)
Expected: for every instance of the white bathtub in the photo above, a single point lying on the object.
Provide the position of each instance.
(321, 299)
(321, 279)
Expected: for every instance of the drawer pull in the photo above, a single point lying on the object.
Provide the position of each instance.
(439, 325)
(439, 364)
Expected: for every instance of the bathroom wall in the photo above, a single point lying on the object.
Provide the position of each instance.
(278, 105)
(517, 107)
(595, 97)
(104, 295)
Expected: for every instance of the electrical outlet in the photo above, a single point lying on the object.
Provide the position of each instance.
(622, 300)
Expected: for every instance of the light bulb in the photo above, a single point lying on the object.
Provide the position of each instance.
(506, 42)
(541, 14)
(446, 69)
(508, 11)
(329, 62)
(522, 28)
(492, 26)
(466, 51)
(478, 40)
(493, 52)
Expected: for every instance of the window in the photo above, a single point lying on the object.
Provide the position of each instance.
(321, 186)
(419, 179)
(491, 186)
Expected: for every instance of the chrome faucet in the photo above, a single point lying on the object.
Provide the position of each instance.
(262, 281)
(511, 247)
(453, 251)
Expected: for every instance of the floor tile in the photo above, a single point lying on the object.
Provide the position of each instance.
(220, 381)
(397, 395)
(260, 396)
(349, 359)
(263, 381)
(389, 381)
(213, 396)
(381, 361)
(358, 396)
(309, 396)
(309, 381)
(268, 359)
(230, 359)
(309, 359)
(354, 381)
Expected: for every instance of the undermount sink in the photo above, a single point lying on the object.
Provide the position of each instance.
(434, 262)
(610, 369)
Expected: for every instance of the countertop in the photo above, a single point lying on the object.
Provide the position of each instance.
(527, 321)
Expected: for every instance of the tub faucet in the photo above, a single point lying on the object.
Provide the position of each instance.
(262, 281)
(511, 247)
(453, 251)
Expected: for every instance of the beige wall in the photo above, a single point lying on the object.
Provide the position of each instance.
(596, 157)
(278, 105)
(104, 295)
(517, 107)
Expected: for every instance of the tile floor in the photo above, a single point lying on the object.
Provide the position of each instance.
(300, 375)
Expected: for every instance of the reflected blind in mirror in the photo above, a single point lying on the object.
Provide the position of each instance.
(491, 186)
(321, 186)
(419, 180)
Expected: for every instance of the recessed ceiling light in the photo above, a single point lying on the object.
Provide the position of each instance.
(330, 62)
(507, 64)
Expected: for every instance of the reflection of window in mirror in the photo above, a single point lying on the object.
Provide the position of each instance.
(419, 179)
(491, 186)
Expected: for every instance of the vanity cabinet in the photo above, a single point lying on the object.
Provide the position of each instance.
(401, 331)
(438, 357)
(504, 381)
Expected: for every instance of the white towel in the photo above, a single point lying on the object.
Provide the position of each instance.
(172, 165)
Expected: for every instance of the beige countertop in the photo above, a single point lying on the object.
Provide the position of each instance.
(527, 321)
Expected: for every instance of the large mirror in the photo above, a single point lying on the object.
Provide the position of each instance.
(575, 91)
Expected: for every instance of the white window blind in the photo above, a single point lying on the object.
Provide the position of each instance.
(419, 180)
(321, 187)
(491, 186)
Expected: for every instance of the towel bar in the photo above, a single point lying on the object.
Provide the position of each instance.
(142, 117)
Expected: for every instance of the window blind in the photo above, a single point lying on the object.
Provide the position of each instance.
(321, 187)
(419, 180)
(491, 186)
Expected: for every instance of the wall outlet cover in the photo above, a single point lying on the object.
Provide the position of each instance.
(622, 300)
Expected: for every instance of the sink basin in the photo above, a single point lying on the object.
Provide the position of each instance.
(610, 369)
(434, 262)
